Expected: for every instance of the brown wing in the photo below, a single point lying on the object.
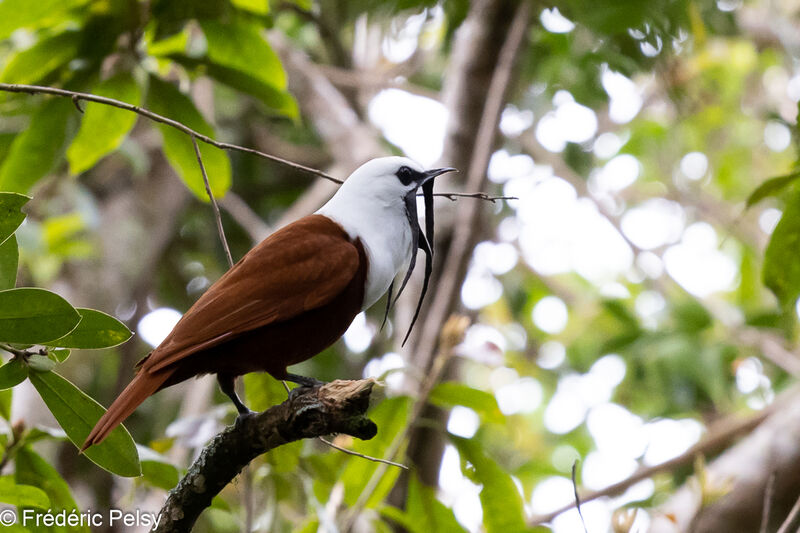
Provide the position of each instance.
(300, 267)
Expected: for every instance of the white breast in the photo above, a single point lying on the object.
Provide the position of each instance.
(385, 233)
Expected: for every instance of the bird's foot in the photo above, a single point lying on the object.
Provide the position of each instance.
(244, 415)
(304, 382)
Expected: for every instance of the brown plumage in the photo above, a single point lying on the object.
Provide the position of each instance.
(286, 300)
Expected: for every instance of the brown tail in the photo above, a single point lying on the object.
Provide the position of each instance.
(137, 391)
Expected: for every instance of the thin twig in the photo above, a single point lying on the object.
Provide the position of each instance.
(78, 96)
(22, 353)
(351, 452)
(214, 205)
(575, 492)
(14, 351)
(765, 512)
(453, 196)
(729, 429)
(791, 518)
(367, 457)
(76, 101)
(16, 440)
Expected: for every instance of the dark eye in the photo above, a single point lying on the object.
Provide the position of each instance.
(405, 174)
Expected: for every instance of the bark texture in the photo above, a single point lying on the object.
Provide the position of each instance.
(336, 407)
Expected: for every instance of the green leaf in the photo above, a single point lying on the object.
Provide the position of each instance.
(61, 235)
(104, 127)
(60, 355)
(263, 391)
(9, 263)
(501, 501)
(614, 16)
(35, 434)
(5, 403)
(174, 44)
(278, 100)
(167, 100)
(305, 5)
(162, 475)
(259, 7)
(391, 417)
(771, 187)
(170, 17)
(157, 470)
(34, 316)
(95, 330)
(31, 469)
(424, 513)
(31, 65)
(16, 14)
(691, 316)
(451, 393)
(241, 46)
(77, 414)
(41, 363)
(397, 515)
(11, 215)
(12, 374)
(781, 267)
(36, 150)
(428, 512)
(22, 495)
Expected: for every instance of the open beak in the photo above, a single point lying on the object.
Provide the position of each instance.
(430, 174)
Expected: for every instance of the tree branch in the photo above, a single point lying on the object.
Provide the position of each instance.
(77, 97)
(213, 200)
(336, 407)
(356, 454)
(718, 437)
(790, 519)
(738, 479)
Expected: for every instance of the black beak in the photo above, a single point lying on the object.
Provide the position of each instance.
(423, 241)
(430, 174)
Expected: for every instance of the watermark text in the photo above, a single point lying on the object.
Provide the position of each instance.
(112, 517)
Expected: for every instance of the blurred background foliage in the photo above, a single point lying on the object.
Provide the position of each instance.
(621, 306)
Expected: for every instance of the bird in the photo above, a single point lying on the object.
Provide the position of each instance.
(297, 291)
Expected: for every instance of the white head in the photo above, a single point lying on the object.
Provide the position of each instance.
(387, 179)
(377, 204)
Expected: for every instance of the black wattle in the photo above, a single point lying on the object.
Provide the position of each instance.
(411, 213)
(388, 304)
(424, 243)
(427, 194)
(428, 269)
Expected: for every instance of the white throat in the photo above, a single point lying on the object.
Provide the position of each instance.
(381, 223)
